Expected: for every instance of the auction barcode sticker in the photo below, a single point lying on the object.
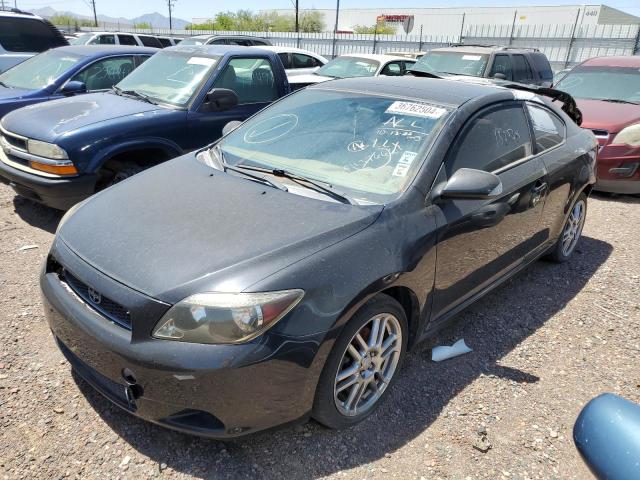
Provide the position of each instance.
(416, 109)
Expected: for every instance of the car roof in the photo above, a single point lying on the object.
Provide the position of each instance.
(102, 50)
(630, 61)
(217, 50)
(217, 35)
(435, 90)
(9, 13)
(375, 56)
(281, 49)
(484, 49)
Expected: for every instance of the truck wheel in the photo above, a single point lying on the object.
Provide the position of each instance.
(123, 174)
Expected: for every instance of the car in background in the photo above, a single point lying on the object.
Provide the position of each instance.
(285, 271)
(355, 65)
(242, 40)
(23, 35)
(67, 71)
(297, 61)
(521, 65)
(607, 91)
(60, 152)
(117, 38)
(414, 55)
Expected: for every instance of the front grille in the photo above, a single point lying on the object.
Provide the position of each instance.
(16, 142)
(105, 306)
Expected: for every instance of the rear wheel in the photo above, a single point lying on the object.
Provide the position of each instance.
(363, 364)
(571, 232)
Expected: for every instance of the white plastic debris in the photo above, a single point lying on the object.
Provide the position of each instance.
(27, 247)
(440, 353)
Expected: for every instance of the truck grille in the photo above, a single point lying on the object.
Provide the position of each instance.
(16, 142)
(103, 305)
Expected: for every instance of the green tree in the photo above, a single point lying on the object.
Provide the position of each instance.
(381, 28)
(143, 25)
(70, 20)
(246, 20)
(311, 22)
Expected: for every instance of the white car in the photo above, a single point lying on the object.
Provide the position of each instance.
(116, 38)
(297, 61)
(355, 65)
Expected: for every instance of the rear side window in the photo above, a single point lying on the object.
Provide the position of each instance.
(521, 69)
(392, 69)
(150, 41)
(541, 64)
(165, 42)
(28, 35)
(548, 129)
(492, 140)
(502, 65)
(127, 40)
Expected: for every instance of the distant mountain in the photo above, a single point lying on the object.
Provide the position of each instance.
(155, 19)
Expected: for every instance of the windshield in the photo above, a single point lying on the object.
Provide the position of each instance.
(193, 41)
(81, 39)
(345, 67)
(599, 83)
(366, 145)
(458, 63)
(39, 71)
(170, 76)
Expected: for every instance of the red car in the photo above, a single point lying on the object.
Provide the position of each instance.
(607, 91)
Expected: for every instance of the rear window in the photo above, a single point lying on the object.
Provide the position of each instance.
(150, 41)
(28, 35)
(541, 64)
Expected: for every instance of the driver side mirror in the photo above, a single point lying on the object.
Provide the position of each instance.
(500, 76)
(470, 183)
(220, 99)
(73, 87)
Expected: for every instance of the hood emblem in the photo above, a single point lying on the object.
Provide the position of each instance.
(94, 296)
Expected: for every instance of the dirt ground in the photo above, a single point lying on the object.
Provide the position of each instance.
(543, 345)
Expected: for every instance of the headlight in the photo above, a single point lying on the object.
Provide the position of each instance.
(225, 317)
(629, 136)
(46, 150)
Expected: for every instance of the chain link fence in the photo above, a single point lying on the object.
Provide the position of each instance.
(564, 45)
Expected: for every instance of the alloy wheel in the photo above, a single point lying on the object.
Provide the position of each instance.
(573, 227)
(368, 365)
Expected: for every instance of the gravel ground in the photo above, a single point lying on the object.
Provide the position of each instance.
(543, 345)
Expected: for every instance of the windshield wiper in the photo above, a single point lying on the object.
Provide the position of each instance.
(133, 93)
(619, 100)
(242, 170)
(2, 84)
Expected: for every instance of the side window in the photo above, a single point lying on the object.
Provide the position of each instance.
(548, 129)
(258, 42)
(165, 42)
(150, 41)
(541, 64)
(127, 40)
(300, 60)
(393, 69)
(501, 64)
(28, 35)
(219, 41)
(104, 74)
(284, 58)
(492, 140)
(251, 78)
(521, 69)
(407, 66)
(106, 40)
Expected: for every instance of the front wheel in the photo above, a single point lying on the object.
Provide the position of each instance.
(571, 232)
(363, 364)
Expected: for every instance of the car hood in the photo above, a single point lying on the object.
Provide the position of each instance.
(609, 116)
(47, 121)
(183, 227)
(308, 79)
(16, 93)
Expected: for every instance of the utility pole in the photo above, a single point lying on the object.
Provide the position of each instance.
(2, 7)
(335, 30)
(170, 4)
(95, 15)
(297, 13)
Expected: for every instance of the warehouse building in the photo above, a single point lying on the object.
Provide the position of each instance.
(448, 21)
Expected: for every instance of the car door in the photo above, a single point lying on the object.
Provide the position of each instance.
(103, 74)
(482, 240)
(252, 79)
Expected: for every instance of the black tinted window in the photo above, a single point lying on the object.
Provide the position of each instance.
(284, 58)
(127, 40)
(502, 65)
(492, 140)
(541, 64)
(150, 41)
(521, 69)
(28, 35)
(165, 42)
(547, 128)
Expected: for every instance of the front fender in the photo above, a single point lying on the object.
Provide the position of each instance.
(171, 148)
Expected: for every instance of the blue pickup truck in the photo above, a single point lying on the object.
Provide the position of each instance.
(60, 152)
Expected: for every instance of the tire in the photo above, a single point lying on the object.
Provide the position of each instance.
(123, 174)
(331, 408)
(571, 232)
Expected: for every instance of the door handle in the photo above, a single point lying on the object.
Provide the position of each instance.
(537, 192)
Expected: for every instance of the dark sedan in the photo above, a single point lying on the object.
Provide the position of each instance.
(285, 271)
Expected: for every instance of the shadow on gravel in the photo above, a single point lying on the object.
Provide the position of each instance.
(37, 215)
(617, 198)
(492, 327)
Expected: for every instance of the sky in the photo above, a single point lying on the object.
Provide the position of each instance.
(188, 9)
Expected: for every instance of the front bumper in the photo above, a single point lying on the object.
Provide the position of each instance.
(618, 169)
(217, 391)
(59, 193)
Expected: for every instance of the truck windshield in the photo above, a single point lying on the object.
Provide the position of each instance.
(171, 77)
(366, 145)
(345, 67)
(622, 83)
(457, 63)
(39, 71)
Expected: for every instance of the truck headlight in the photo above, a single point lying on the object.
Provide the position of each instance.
(46, 150)
(629, 136)
(219, 318)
